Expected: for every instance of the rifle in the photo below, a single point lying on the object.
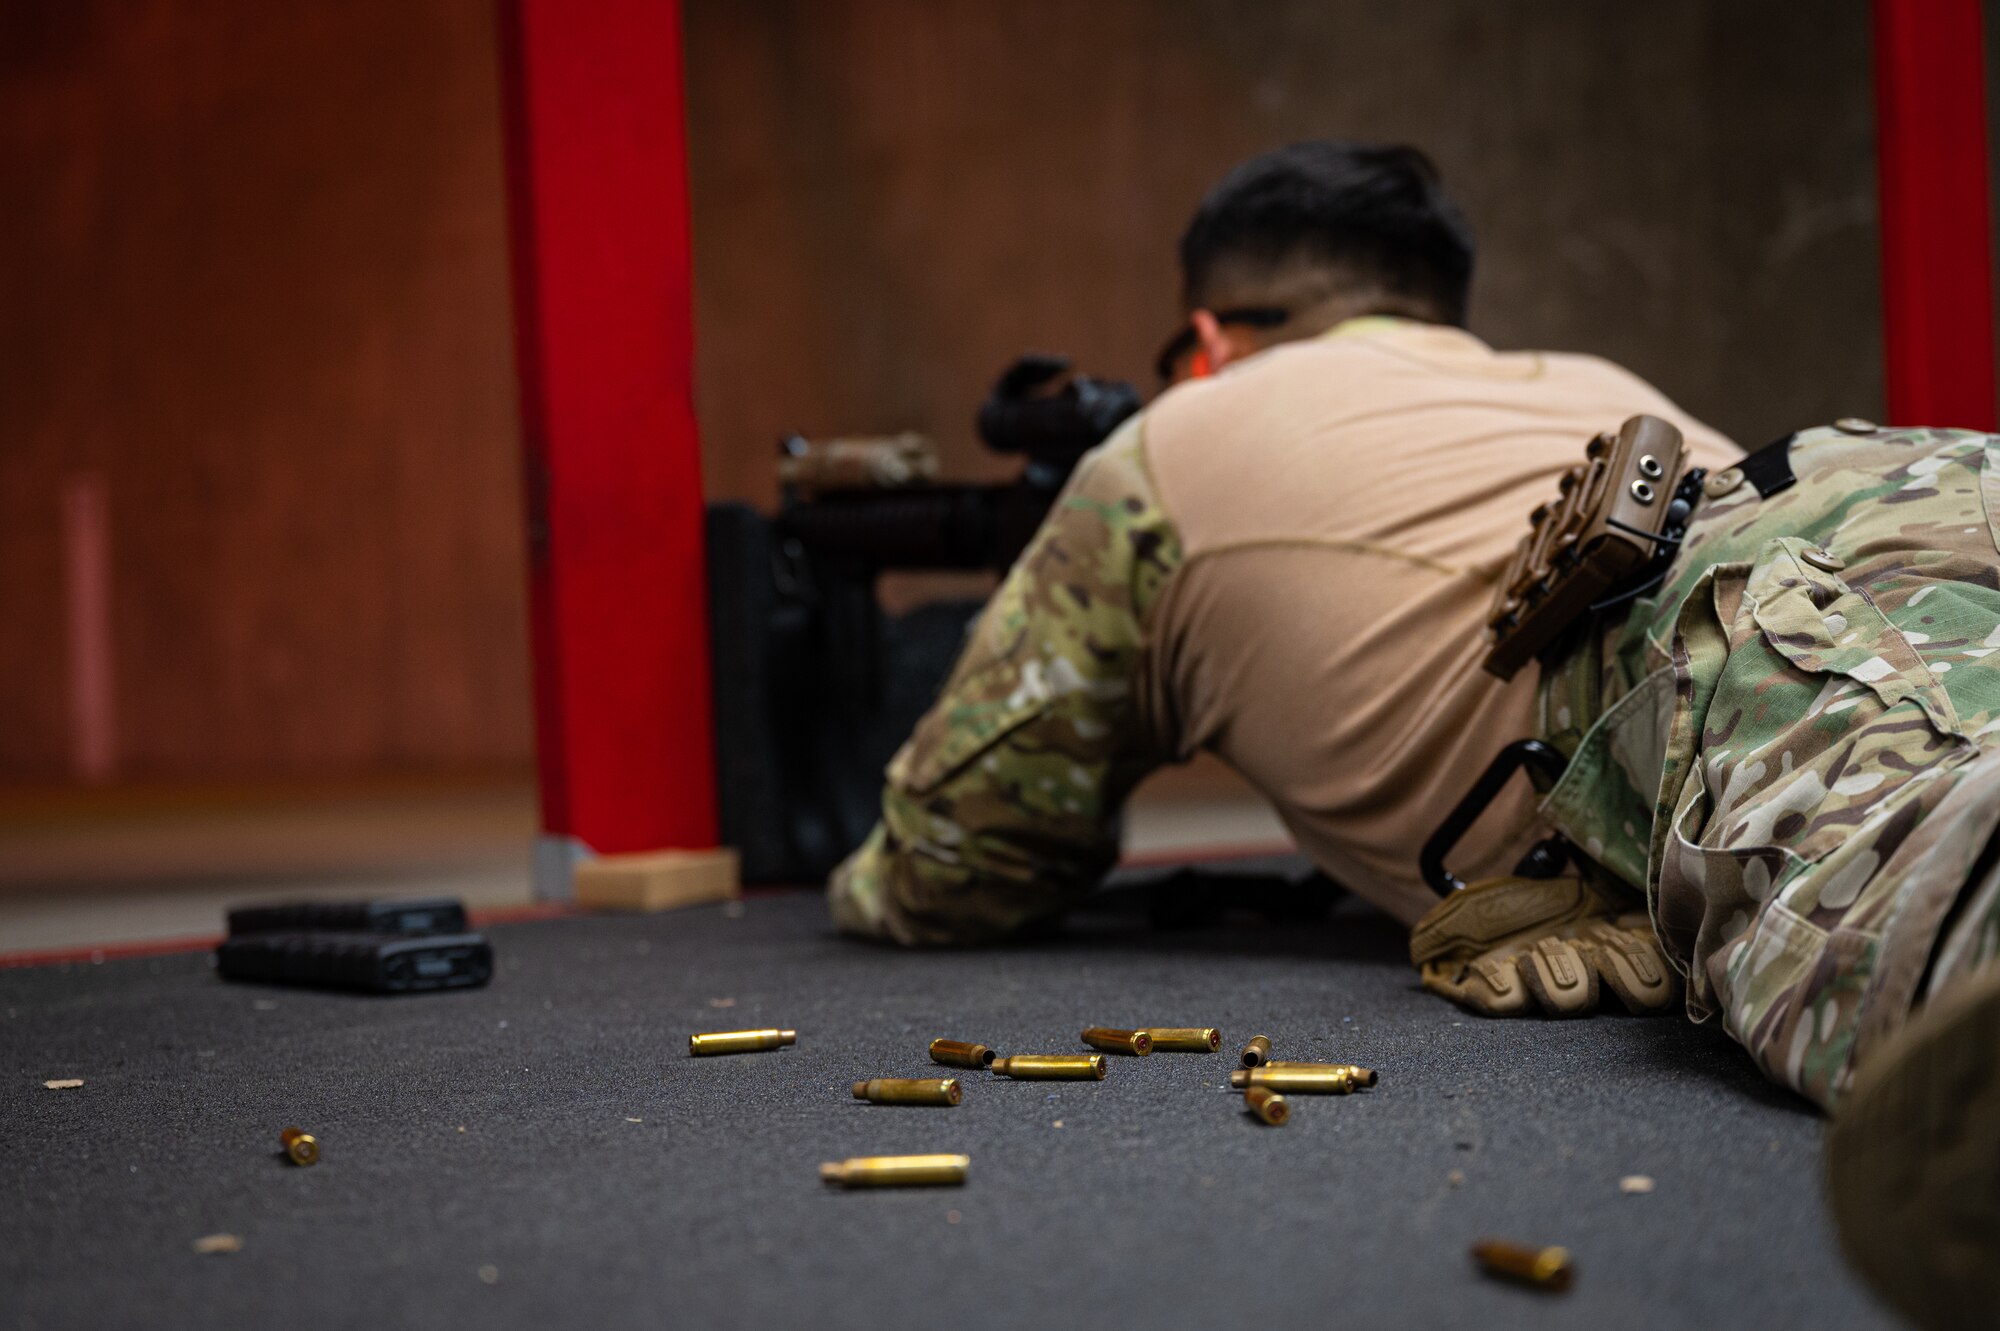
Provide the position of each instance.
(815, 686)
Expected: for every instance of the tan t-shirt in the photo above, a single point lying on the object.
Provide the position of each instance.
(1345, 506)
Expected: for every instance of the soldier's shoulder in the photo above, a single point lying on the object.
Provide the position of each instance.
(1589, 364)
(1320, 362)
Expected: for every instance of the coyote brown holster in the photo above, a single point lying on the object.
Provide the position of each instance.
(1617, 512)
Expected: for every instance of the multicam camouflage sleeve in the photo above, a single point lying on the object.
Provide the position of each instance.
(1817, 689)
(1002, 807)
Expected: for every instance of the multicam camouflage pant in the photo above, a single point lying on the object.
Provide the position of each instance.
(1002, 807)
(1792, 743)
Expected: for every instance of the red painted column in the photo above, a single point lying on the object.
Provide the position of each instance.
(597, 178)
(1937, 263)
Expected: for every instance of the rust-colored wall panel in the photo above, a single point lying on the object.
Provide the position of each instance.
(257, 283)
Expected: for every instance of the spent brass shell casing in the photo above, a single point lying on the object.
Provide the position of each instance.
(1258, 1050)
(1185, 1039)
(1053, 1067)
(738, 1042)
(301, 1147)
(1119, 1042)
(896, 1171)
(908, 1091)
(959, 1054)
(1542, 1268)
(1305, 1078)
(1267, 1104)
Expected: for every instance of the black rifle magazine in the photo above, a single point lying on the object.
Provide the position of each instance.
(414, 915)
(373, 963)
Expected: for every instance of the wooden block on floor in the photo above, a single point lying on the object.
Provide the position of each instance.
(659, 879)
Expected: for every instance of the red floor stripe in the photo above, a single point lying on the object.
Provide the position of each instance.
(165, 947)
(67, 956)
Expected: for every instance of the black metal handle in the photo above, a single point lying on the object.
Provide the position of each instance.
(1544, 758)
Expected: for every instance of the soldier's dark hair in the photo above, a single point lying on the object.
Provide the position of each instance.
(1371, 214)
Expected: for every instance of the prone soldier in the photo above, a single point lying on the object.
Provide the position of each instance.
(1286, 559)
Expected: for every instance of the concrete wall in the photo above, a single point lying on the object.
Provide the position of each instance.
(894, 198)
(252, 268)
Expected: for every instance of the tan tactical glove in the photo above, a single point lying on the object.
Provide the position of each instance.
(1506, 946)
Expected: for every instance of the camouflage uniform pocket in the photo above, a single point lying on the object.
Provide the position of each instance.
(1802, 718)
(1825, 627)
(1819, 717)
(1604, 799)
